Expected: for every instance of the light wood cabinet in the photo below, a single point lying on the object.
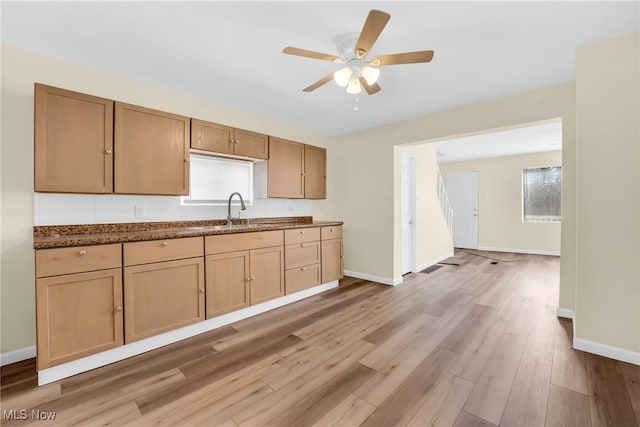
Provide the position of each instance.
(315, 172)
(227, 140)
(296, 170)
(285, 169)
(78, 310)
(162, 296)
(265, 279)
(227, 282)
(151, 151)
(332, 257)
(73, 142)
(302, 259)
(267, 274)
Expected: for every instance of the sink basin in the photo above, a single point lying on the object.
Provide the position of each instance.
(223, 227)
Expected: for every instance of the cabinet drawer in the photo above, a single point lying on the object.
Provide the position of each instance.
(301, 278)
(331, 232)
(54, 262)
(300, 254)
(242, 241)
(300, 235)
(162, 250)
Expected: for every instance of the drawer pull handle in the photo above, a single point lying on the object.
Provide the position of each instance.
(82, 252)
(163, 244)
(119, 308)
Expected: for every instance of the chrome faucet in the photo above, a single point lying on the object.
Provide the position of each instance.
(242, 207)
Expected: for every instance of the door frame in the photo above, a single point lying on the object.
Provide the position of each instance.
(408, 164)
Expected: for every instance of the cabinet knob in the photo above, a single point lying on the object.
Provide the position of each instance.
(248, 279)
(186, 160)
(301, 232)
(202, 291)
(163, 244)
(107, 151)
(236, 141)
(302, 245)
(252, 278)
(83, 252)
(331, 230)
(303, 268)
(119, 308)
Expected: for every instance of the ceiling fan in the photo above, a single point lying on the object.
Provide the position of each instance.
(354, 48)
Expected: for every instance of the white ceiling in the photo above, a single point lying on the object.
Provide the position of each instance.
(524, 140)
(230, 52)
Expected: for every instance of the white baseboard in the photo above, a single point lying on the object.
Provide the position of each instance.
(17, 355)
(371, 277)
(519, 251)
(565, 313)
(605, 350)
(432, 262)
(68, 369)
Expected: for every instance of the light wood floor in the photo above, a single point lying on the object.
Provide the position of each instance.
(475, 344)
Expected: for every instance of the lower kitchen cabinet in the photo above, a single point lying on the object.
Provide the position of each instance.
(267, 274)
(162, 296)
(227, 279)
(78, 315)
(332, 258)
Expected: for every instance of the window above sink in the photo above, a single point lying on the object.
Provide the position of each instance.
(213, 179)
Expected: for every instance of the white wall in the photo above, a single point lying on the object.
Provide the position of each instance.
(433, 238)
(608, 193)
(58, 209)
(500, 225)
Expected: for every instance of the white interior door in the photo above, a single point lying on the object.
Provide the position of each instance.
(407, 182)
(462, 189)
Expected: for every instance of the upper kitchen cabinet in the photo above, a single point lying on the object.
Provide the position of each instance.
(296, 170)
(315, 172)
(73, 142)
(227, 140)
(285, 169)
(151, 151)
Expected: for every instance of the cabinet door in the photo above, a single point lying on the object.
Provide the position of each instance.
(297, 279)
(315, 172)
(73, 142)
(78, 315)
(332, 261)
(211, 137)
(151, 151)
(285, 169)
(251, 144)
(267, 274)
(163, 296)
(227, 279)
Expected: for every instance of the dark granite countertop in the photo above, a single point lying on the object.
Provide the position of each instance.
(60, 236)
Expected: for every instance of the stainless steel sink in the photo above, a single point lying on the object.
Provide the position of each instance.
(224, 227)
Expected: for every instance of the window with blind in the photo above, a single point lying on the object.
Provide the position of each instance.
(541, 194)
(214, 179)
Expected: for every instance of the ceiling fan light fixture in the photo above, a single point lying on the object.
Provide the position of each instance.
(342, 76)
(370, 74)
(354, 87)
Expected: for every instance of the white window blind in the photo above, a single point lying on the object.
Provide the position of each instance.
(214, 179)
(541, 194)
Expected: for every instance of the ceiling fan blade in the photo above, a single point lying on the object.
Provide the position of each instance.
(371, 89)
(311, 54)
(373, 26)
(402, 58)
(326, 79)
